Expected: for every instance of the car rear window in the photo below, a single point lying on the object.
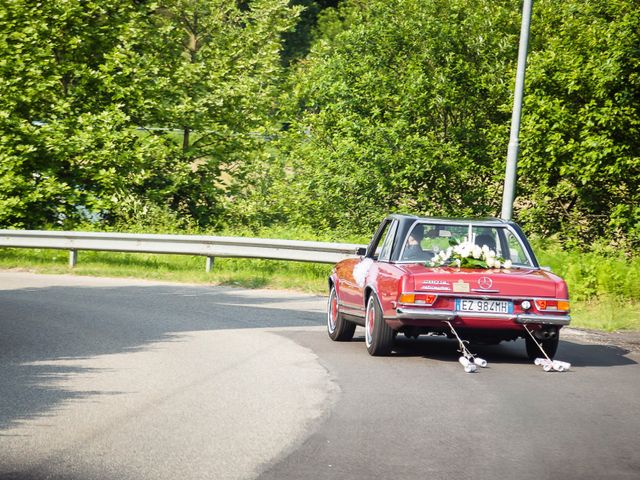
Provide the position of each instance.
(425, 240)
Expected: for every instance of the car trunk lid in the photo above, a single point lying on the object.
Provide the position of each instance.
(512, 282)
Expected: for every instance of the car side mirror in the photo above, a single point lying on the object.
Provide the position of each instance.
(361, 251)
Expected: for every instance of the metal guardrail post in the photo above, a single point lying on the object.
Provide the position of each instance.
(73, 258)
(209, 266)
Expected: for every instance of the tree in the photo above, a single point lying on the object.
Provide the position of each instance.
(80, 79)
(205, 72)
(400, 106)
(68, 152)
(298, 41)
(580, 167)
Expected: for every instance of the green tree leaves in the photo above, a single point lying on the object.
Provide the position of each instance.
(405, 105)
(395, 110)
(209, 112)
(580, 168)
(108, 105)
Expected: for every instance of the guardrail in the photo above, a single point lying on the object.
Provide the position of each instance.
(200, 245)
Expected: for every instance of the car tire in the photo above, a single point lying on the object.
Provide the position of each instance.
(550, 346)
(378, 335)
(339, 329)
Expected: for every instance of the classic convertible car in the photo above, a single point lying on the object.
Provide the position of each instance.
(422, 275)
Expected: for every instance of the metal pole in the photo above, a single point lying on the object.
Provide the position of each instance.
(509, 192)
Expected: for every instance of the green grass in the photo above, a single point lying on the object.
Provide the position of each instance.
(250, 273)
(616, 308)
(606, 314)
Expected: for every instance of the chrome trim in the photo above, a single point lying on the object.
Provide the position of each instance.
(506, 316)
(544, 319)
(482, 290)
(351, 310)
(424, 304)
(425, 314)
(523, 318)
(449, 293)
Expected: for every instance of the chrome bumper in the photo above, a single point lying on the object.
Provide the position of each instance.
(425, 314)
(448, 315)
(545, 319)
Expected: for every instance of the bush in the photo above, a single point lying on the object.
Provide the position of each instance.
(597, 274)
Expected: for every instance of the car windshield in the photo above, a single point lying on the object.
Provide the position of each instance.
(425, 240)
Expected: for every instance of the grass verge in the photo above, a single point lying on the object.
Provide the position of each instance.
(607, 313)
(250, 273)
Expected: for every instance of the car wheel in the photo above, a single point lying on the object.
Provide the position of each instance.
(339, 329)
(378, 335)
(550, 346)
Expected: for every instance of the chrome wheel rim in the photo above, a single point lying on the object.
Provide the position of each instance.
(332, 312)
(371, 321)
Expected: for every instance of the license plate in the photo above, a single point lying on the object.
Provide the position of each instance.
(483, 306)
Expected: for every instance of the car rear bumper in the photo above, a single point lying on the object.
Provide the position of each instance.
(449, 315)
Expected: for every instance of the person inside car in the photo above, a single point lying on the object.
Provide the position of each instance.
(412, 249)
(486, 239)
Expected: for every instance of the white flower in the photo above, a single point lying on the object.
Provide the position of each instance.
(490, 262)
(491, 254)
(477, 251)
(496, 263)
(508, 264)
(465, 249)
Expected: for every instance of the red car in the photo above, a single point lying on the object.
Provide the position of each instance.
(424, 275)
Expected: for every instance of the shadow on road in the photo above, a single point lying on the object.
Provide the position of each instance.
(42, 325)
(587, 355)
(579, 355)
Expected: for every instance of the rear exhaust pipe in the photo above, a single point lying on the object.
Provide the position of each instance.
(546, 333)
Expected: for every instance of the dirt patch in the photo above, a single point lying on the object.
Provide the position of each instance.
(626, 340)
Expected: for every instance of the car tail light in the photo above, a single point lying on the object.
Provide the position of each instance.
(541, 304)
(552, 305)
(418, 298)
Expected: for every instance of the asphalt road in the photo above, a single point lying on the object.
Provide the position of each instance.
(124, 379)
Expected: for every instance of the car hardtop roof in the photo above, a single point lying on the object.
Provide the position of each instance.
(449, 220)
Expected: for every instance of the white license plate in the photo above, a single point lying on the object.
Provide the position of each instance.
(483, 306)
